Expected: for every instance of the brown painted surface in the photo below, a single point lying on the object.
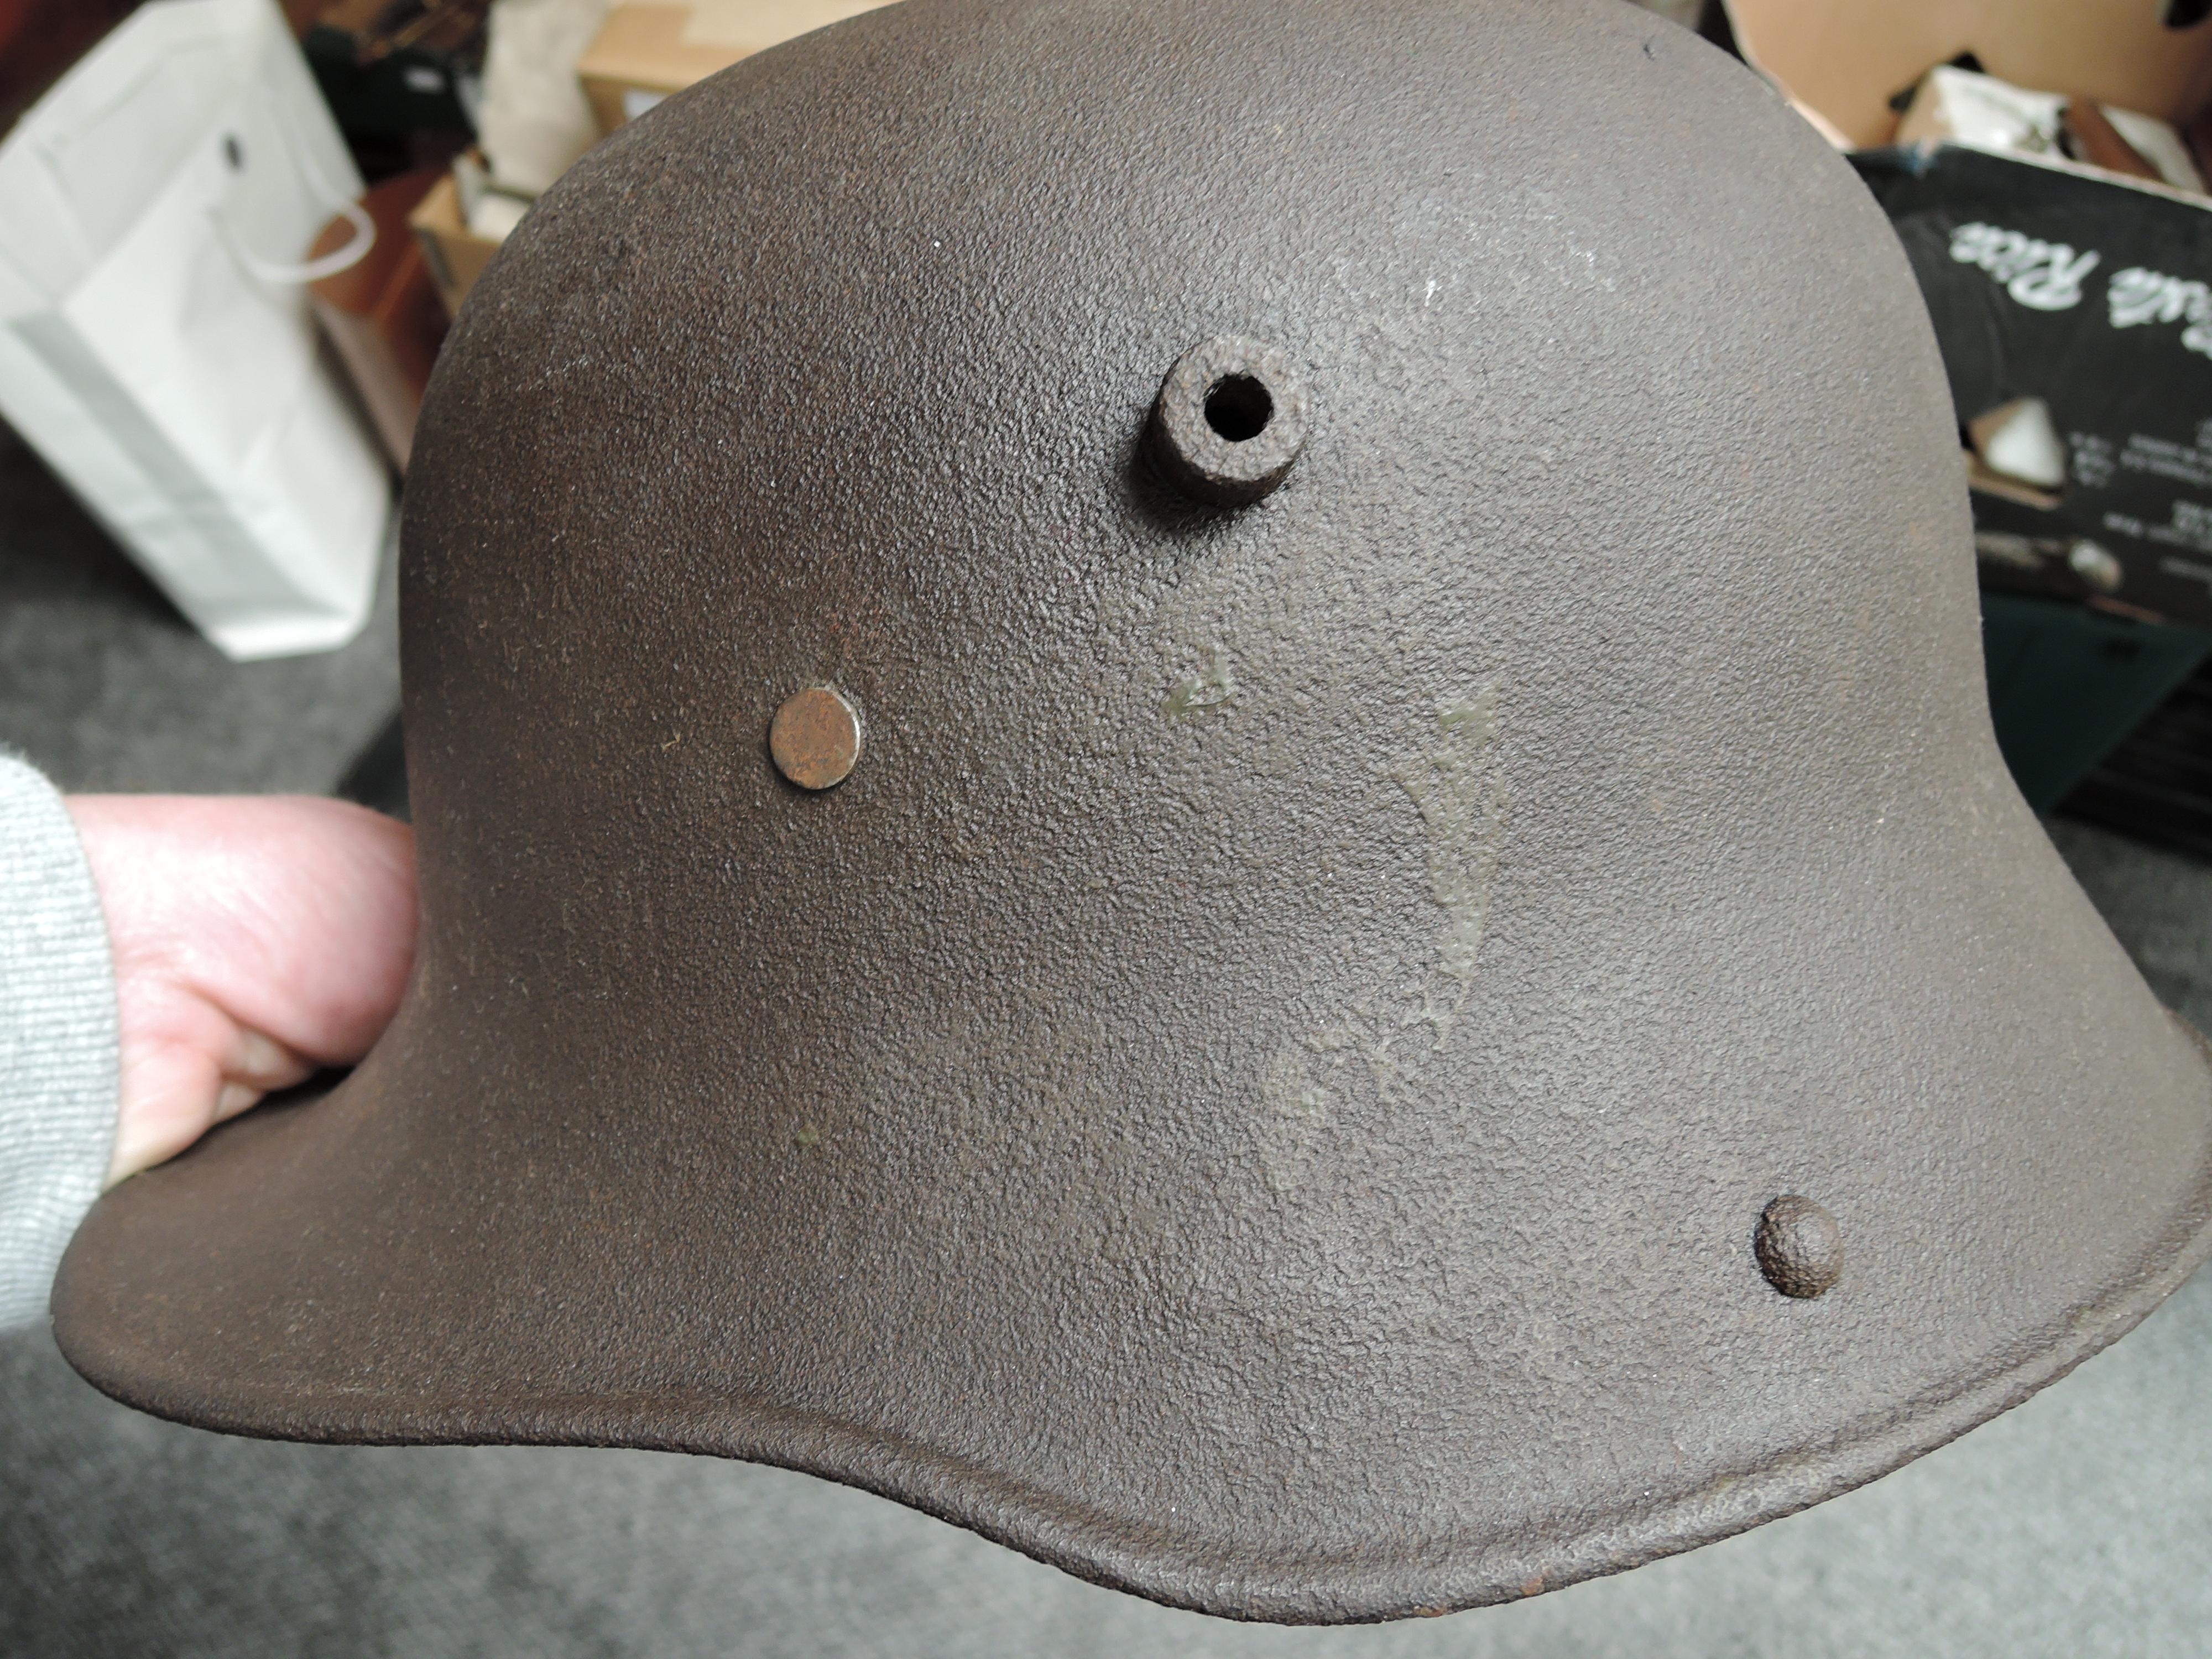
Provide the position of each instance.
(1263, 1086)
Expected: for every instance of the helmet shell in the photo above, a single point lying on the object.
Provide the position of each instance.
(1264, 1085)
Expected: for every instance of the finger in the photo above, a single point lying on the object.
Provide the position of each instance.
(295, 916)
(325, 915)
(257, 1064)
(169, 1094)
(174, 1091)
(260, 1063)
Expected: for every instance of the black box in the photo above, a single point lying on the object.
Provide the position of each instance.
(2094, 294)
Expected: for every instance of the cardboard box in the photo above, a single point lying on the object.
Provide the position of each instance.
(2046, 278)
(644, 52)
(383, 315)
(456, 255)
(1845, 60)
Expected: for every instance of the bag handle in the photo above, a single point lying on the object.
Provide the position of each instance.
(353, 251)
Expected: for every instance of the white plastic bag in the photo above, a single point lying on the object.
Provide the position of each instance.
(536, 120)
(157, 346)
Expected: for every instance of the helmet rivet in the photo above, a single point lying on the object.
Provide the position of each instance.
(1230, 420)
(815, 737)
(1801, 1248)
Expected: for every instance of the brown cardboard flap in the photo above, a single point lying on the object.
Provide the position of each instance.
(361, 287)
(457, 257)
(1846, 58)
(645, 47)
(660, 49)
(755, 25)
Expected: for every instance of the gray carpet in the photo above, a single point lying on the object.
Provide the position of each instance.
(105, 686)
(2078, 1525)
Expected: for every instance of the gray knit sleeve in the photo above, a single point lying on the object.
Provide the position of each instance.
(57, 1040)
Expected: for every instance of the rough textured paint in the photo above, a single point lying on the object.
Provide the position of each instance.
(1261, 1087)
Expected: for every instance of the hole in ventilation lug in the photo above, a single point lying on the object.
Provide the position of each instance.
(1229, 422)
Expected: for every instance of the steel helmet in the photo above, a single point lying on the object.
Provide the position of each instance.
(1208, 782)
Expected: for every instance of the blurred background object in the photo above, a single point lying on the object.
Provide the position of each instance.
(403, 77)
(535, 119)
(158, 346)
(1950, 104)
(384, 314)
(40, 39)
(453, 252)
(557, 74)
(105, 685)
(534, 125)
(647, 52)
(2035, 158)
(2067, 682)
(2156, 785)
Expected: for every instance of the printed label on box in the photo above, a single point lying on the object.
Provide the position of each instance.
(2095, 297)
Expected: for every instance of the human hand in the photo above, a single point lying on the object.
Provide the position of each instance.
(255, 938)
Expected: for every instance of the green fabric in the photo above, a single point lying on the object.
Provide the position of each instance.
(2067, 683)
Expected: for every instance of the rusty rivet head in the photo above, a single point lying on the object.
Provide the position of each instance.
(1801, 1248)
(815, 737)
(1230, 420)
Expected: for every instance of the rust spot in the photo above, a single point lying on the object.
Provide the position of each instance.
(815, 737)
(1532, 1586)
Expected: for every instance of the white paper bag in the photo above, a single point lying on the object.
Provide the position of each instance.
(157, 345)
